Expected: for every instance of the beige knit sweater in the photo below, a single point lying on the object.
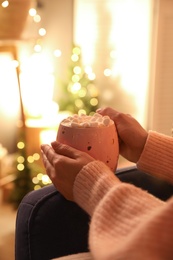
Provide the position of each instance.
(126, 222)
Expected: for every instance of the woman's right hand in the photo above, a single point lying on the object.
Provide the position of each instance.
(132, 136)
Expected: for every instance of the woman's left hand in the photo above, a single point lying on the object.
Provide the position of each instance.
(62, 164)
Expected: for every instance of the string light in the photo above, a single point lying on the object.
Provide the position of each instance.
(90, 73)
(76, 50)
(57, 53)
(91, 76)
(45, 179)
(81, 112)
(32, 12)
(107, 72)
(75, 78)
(37, 48)
(30, 159)
(40, 180)
(5, 4)
(94, 101)
(37, 187)
(35, 180)
(36, 156)
(77, 70)
(75, 87)
(42, 31)
(20, 145)
(20, 159)
(82, 92)
(78, 103)
(37, 18)
(74, 57)
(20, 167)
(39, 176)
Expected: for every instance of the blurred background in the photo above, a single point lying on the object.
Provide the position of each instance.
(58, 58)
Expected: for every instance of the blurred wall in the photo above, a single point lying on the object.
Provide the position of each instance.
(161, 92)
(115, 40)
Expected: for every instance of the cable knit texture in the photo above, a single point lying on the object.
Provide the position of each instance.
(157, 156)
(127, 222)
(93, 182)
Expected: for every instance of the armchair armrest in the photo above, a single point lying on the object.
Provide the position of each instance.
(49, 226)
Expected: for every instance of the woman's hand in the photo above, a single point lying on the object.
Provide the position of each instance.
(62, 164)
(132, 136)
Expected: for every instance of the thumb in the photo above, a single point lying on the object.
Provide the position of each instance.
(65, 150)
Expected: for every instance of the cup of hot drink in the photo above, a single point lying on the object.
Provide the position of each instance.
(95, 135)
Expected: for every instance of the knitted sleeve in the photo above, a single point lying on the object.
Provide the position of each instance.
(126, 222)
(157, 156)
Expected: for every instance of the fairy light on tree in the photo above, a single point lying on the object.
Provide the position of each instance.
(29, 174)
(40, 180)
(22, 183)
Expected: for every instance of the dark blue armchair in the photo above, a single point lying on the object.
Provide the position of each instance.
(49, 226)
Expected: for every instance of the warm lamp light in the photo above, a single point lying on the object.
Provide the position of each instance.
(37, 86)
(47, 136)
(9, 100)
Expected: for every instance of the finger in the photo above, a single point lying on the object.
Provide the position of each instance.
(108, 111)
(65, 150)
(44, 158)
(99, 110)
(49, 168)
(48, 153)
(128, 115)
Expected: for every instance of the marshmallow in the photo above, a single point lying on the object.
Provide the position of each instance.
(85, 121)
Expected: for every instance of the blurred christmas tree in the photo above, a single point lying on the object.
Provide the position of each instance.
(23, 179)
(79, 94)
(28, 173)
